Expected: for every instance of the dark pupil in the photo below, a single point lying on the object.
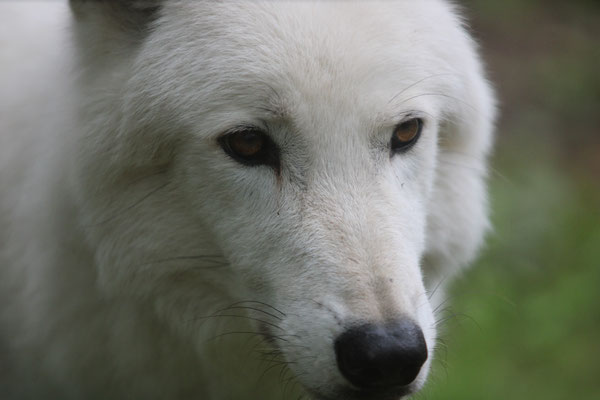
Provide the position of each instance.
(407, 130)
(247, 143)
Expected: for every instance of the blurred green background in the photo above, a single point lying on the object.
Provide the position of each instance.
(524, 322)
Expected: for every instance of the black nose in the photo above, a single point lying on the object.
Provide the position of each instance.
(381, 356)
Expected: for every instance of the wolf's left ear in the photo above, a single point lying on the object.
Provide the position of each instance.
(107, 34)
(124, 15)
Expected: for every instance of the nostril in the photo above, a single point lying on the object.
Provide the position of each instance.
(381, 356)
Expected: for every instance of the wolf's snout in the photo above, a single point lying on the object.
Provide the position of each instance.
(381, 356)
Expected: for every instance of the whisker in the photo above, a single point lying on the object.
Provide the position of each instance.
(261, 303)
(286, 383)
(441, 345)
(463, 165)
(446, 300)
(274, 365)
(430, 295)
(240, 316)
(409, 112)
(131, 206)
(250, 308)
(270, 336)
(215, 260)
(456, 316)
(440, 95)
(417, 83)
(242, 333)
(283, 371)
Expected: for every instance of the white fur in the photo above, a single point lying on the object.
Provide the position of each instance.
(112, 183)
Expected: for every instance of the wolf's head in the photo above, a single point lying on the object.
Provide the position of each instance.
(308, 168)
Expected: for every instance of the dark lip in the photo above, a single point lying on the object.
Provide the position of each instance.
(345, 393)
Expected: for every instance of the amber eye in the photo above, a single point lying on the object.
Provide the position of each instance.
(250, 146)
(406, 135)
(246, 144)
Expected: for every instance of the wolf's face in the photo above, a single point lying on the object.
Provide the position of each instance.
(312, 164)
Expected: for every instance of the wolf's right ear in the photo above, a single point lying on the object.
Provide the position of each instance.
(132, 16)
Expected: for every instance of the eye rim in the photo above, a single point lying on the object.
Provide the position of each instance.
(267, 155)
(398, 145)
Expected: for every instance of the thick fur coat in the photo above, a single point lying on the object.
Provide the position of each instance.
(138, 260)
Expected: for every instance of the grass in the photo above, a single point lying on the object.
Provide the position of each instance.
(531, 305)
(528, 313)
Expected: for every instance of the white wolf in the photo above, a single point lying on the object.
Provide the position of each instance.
(233, 199)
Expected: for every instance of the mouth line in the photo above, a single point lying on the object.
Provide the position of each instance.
(344, 393)
(267, 333)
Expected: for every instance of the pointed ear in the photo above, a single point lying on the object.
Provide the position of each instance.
(107, 35)
(125, 15)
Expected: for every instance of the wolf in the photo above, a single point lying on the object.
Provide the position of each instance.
(234, 199)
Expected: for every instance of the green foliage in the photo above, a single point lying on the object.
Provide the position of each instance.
(527, 316)
(524, 322)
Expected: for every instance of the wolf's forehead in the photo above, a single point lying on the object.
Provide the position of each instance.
(295, 54)
(314, 42)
